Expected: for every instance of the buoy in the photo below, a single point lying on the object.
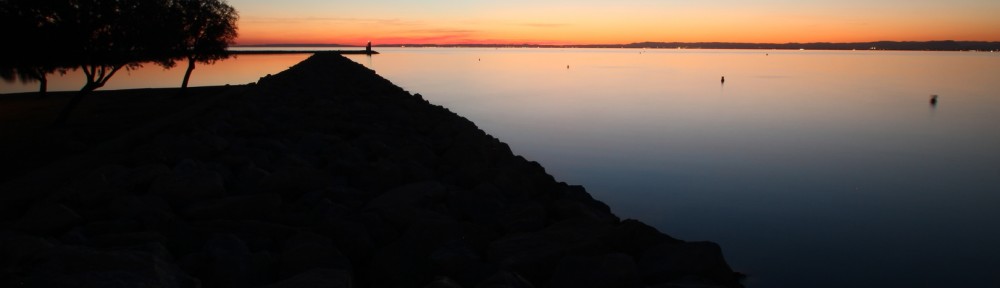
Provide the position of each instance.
(723, 79)
(933, 99)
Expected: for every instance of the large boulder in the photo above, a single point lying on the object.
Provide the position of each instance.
(614, 270)
(47, 218)
(632, 237)
(506, 279)
(227, 262)
(258, 206)
(534, 255)
(306, 251)
(701, 262)
(188, 183)
(326, 278)
(75, 266)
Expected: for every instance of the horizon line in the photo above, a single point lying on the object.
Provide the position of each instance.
(618, 44)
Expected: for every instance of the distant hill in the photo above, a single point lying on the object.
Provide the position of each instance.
(295, 45)
(944, 45)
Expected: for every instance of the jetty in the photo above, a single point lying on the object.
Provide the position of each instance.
(324, 175)
(275, 52)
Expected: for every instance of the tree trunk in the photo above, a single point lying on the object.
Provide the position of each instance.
(43, 85)
(97, 76)
(73, 102)
(187, 75)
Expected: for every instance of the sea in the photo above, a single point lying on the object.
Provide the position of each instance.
(809, 168)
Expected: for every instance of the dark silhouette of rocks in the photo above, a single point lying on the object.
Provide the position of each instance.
(327, 175)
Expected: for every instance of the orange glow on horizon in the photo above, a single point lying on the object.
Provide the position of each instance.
(621, 23)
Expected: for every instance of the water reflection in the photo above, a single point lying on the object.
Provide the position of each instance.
(241, 69)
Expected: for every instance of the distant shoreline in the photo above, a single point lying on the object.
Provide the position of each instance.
(270, 52)
(945, 45)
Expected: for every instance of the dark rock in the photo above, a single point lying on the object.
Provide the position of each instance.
(142, 176)
(150, 210)
(443, 282)
(330, 278)
(407, 262)
(214, 142)
(248, 179)
(257, 235)
(601, 271)
(188, 187)
(228, 262)
(633, 237)
(314, 143)
(170, 148)
(351, 238)
(576, 202)
(460, 261)
(409, 203)
(48, 219)
(100, 185)
(519, 178)
(292, 182)
(117, 226)
(701, 262)
(259, 206)
(485, 204)
(288, 160)
(523, 216)
(379, 175)
(17, 250)
(505, 279)
(270, 144)
(534, 255)
(246, 156)
(126, 239)
(687, 284)
(305, 251)
(71, 266)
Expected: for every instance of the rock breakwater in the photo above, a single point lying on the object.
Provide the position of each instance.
(327, 175)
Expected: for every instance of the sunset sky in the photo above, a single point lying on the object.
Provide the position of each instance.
(613, 22)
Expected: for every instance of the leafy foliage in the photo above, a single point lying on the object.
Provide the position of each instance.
(101, 37)
(210, 27)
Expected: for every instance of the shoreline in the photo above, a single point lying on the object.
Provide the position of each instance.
(329, 173)
(272, 52)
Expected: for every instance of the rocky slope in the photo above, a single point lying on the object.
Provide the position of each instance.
(327, 175)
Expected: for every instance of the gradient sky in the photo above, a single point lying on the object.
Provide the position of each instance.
(613, 22)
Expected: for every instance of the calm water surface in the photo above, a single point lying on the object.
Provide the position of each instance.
(810, 168)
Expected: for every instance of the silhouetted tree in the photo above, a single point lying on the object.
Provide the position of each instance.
(29, 26)
(209, 28)
(109, 35)
(102, 37)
